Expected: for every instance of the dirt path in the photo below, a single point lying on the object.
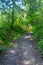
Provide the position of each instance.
(22, 53)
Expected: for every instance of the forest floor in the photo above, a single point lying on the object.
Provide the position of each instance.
(22, 52)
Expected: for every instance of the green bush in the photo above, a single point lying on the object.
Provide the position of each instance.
(7, 34)
(37, 25)
(4, 39)
(40, 47)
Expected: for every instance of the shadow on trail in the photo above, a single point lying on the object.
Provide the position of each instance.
(14, 55)
(22, 53)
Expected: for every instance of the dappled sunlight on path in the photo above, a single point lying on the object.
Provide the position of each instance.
(22, 53)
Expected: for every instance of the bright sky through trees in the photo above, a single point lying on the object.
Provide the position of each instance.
(19, 3)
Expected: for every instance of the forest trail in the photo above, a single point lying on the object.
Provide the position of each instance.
(22, 53)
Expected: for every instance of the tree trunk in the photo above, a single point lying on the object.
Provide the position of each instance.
(12, 15)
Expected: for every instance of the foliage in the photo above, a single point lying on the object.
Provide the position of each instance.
(15, 20)
(40, 47)
(37, 24)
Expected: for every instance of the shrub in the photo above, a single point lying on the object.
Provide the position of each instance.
(4, 39)
(40, 47)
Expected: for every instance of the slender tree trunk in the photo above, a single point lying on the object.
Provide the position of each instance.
(12, 15)
(13, 12)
